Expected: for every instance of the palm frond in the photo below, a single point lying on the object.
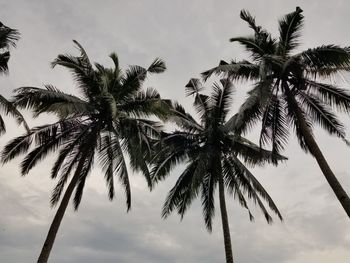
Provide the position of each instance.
(82, 71)
(38, 154)
(220, 100)
(106, 157)
(10, 109)
(274, 128)
(139, 155)
(4, 59)
(294, 112)
(183, 119)
(322, 115)
(233, 186)
(61, 159)
(324, 58)
(254, 188)
(251, 45)
(335, 97)
(251, 153)
(192, 88)
(8, 37)
(246, 16)
(249, 113)
(51, 100)
(48, 139)
(86, 151)
(112, 160)
(15, 147)
(77, 136)
(115, 59)
(241, 70)
(83, 55)
(145, 104)
(174, 148)
(83, 168)
(70, 164)
(185, 189)
(143, 129)
(289, 28)
(258, 46)
(132, 80)
(121, 170)
(2, 125)
(157, 66)
(207, 197)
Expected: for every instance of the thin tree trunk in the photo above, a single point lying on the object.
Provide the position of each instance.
(224, 220)
(50, 239)
(328, 173)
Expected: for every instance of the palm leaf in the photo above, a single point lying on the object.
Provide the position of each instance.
(246, 16)
(146, 103)
(333, 96)
(289, 28)
(51, 100)
(157, 66)
(251, 45)
(70, 164)
(293, 112)
(16, 147)
(274, 128)
(85, 164)
(251, 153)
(4, 58)
(121, 170)
(207, 196)
(241, 70)
(322, 115)
(8, 37)
(325, 57)
(10, 109)
(220, 100)
(183, 119)
(252, 185)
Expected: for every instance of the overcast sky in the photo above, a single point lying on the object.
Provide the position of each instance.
(191, 36)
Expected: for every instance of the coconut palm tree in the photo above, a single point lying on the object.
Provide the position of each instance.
(291, 91)
(8, 39)
(212, 152)
(107, 119)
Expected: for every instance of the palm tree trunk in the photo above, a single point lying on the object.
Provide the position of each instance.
(224, 220)
(50, 239)
(327, 172)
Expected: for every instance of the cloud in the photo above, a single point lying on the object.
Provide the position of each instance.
(191, 37)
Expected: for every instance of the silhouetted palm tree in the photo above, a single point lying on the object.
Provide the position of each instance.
(290, 92)
(212, 151)
(8, 38)
(107, 119)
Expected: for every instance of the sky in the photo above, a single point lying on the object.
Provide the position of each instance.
(191, 36)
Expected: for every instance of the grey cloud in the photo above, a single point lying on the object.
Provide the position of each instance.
(191, 36)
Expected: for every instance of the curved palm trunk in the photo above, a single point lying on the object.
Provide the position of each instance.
(327, 172)
(50, 239)
(224, 219)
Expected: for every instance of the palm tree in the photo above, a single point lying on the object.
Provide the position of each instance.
(211, 150)
(108, 119)
(290, 90)
(8, 38)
